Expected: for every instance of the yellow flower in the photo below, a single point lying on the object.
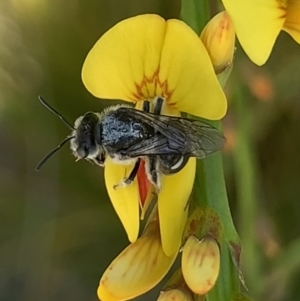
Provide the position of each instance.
(218, 36)
(200, 264)
(142, 58)
(259, 22)
(137, 269)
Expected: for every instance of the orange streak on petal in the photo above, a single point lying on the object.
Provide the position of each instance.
(143, 183)
(152, 86)
(292, 22)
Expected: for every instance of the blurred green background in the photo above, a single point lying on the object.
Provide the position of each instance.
(58, 230)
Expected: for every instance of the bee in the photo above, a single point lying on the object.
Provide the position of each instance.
(127, 136)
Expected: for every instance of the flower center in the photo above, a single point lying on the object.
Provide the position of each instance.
(151, 86)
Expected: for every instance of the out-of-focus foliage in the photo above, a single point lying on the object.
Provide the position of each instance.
(58, 229)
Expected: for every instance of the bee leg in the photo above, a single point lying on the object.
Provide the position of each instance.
(172, 163)
(158, 106)
(152, 171)
(127, 181)
(133, 173)
(146, 106)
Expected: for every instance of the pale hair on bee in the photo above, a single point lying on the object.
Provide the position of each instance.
(127, 136)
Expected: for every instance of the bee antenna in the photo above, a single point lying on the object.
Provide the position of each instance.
(63, 119)
(48, 156)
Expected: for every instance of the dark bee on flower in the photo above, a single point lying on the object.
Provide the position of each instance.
(128, 136)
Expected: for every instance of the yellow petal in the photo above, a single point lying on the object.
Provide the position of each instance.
(173, 206)
(292, 22)
(124, 57)
(124, 199)
(187, 70)
(137, 269)
(200, 263)
(257, 25)
(145, 56)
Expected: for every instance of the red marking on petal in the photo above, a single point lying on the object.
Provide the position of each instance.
(154, 79)
(143, 183)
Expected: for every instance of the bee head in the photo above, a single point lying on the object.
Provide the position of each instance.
(85, 144)
(83, 139)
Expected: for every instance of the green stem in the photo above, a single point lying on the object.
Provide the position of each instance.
(209, 187)
(210, 190)
(195, 13)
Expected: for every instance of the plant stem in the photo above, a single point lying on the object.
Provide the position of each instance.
(209, 187)
(195, 14)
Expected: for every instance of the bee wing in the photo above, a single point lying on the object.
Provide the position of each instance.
(158, 145)
(176, 136)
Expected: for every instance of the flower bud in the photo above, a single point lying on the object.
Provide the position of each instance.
(175, 294)
(218, 36)
(137, 268)
(200, 264)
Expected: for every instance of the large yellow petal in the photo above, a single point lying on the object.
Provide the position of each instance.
(124, 199)
(292, 22)
(257, 25)
(124, 58)
(137, 269)
(189, 75)
(173, 206)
